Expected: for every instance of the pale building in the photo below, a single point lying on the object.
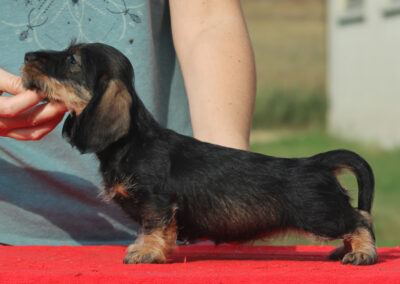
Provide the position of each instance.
(364, 70)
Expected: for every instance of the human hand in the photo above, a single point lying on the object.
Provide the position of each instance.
(21, 117)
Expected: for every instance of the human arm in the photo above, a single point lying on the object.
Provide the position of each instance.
(21, 117)
(217, 62)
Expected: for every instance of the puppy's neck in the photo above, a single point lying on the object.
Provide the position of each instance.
(143, 124)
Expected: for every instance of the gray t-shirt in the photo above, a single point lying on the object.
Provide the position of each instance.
(48, 191)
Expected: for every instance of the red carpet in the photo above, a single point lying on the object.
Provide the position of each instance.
(193, 264)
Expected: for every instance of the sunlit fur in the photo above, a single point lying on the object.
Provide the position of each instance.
(177, 187)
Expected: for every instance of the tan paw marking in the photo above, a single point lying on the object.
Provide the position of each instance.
(154, 247)
(363, 250)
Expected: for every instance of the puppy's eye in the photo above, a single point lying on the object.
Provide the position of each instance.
(72, 59)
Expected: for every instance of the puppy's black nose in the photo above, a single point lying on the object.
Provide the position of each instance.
(30, 57)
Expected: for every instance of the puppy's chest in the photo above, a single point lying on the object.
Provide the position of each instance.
(118, 190)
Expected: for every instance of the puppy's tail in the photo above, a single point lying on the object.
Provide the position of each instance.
(338, 159)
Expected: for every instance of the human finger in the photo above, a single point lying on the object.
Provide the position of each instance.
(12, 106)
(43, 113)
(33, 117)
(10, 83)
(34, 133)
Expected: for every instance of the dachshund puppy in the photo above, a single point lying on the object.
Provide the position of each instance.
(177, 187)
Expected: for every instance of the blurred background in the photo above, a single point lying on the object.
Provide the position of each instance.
(327, 73)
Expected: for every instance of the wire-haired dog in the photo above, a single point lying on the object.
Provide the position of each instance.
(177, 187)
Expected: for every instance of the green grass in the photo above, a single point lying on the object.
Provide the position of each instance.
(277, 108)
(384, 164)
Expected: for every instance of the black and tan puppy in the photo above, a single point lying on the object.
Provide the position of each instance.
(177, 187)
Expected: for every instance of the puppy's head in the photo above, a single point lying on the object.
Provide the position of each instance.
(95, 82)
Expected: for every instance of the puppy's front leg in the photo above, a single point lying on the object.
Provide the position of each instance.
(153, 245)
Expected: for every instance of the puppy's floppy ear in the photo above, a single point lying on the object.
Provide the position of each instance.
(104, 120)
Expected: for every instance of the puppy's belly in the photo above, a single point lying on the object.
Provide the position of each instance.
(221, 224)
(230, 236)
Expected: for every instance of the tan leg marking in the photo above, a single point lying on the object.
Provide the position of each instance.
(154, 247)
(363, 249)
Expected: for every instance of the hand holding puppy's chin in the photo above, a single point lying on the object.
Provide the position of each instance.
(23, 116)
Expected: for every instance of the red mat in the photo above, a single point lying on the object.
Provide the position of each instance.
(192, 264)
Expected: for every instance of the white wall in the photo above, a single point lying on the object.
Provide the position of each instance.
(364, 74)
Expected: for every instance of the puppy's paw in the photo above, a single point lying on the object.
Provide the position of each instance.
(359, 258)
(144, 254)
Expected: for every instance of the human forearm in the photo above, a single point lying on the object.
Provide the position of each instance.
(217, 62)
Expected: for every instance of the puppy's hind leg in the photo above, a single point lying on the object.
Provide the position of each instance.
(359, 246)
